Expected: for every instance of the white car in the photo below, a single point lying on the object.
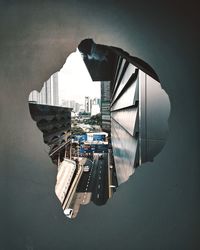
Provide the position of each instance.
(68, 212)
(86, 169)
(100, 156)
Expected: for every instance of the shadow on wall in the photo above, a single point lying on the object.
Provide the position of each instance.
(97, 144)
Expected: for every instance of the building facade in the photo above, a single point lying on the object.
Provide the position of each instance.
(48, 94)
(87, 104)
(105, 106)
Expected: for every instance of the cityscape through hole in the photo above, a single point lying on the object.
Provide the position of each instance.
(102, 115)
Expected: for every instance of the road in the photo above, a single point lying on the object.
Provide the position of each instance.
(95, 182)
(100, 177)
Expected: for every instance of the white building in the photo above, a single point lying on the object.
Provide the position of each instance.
(95, 109)
(48, 94)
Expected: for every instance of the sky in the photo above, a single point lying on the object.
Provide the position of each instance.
(74, 80)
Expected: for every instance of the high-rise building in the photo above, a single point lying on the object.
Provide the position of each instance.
(77, 107)
(87, 104)
(105, 105)
(34, 96)
(55, 89)
(71, 104)
(48, 94)
(95, 109)
(97, 101)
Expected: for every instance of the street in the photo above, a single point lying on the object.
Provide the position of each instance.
(95, 181)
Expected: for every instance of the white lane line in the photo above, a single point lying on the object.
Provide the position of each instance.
(99, 186)
(97, 196)
(99, 177)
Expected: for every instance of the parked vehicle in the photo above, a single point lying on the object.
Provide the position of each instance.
(86, 169)
(68, 212)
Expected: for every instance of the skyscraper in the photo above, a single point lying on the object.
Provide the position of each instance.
(48, 94)
(105, 105)
(55, 89)
(34, 96)
(87, 104)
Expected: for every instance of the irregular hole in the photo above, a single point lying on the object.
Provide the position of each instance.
(102, 115)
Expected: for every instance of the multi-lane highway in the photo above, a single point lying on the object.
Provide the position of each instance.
(95, 181)
(100, 187)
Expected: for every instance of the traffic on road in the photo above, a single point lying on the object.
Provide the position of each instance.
(92, 180)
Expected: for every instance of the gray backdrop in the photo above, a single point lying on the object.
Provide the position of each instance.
(158, 208)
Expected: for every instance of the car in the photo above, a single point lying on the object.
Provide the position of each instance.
(68, 212)
(100, 156)
(86, 169)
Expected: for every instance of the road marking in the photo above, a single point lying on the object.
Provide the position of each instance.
(99, 177)
(98, 196)
(99, 186)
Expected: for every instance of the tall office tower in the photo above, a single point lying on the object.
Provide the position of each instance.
(95, 109)
(81, 108)
(77, 107)
(87, 104)
(42, 95)
(34, 96)
(90, 106)
(96, 101)
(49, 92)
(99, 101)
(55, 89)
(105, 105)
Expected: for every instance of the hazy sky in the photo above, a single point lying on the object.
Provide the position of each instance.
(74, 80)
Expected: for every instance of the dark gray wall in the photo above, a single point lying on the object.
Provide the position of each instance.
(159, 206)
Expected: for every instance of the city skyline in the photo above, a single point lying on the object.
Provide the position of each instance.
(92, 105)
(66, 84)
(76, 86)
